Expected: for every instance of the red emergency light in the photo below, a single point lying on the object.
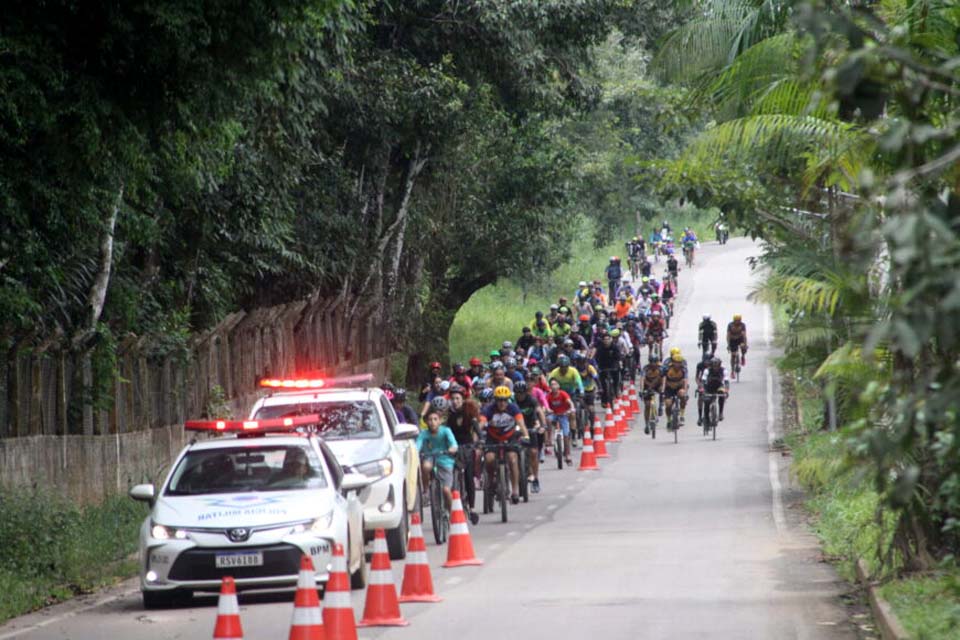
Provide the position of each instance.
(288, 424)
(313, 382)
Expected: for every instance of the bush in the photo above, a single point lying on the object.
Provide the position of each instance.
(51, 548)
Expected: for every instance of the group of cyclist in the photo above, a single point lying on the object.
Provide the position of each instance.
(582, 351)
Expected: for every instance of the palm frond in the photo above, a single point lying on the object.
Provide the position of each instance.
(810, 295)
(847, 364)
(775, 141)
(791, 96)
(763, 64)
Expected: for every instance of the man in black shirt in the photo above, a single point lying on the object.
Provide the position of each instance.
(463, 419)
(608, 366)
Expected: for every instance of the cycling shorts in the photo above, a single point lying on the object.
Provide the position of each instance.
(735, 344)
(513, 439)
(562, 421)
(672, 393)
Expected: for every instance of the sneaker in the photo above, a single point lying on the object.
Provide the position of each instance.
(542, 457)
(721, 417)
(646, 429)
(536, 486)
(699, 422)
(683, 420)
(515, 499)
(574, 443)
(549, 452)
(743, 361)
(569, 462)
(474, 517)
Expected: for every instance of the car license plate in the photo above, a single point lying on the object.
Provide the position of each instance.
(246, 559)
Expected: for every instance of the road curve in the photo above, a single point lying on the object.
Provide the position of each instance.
(687, 540)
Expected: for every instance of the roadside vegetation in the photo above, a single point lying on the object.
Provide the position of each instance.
(52, 549)
(832, 135)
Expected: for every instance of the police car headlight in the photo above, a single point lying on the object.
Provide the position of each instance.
(376, 469)
(161, 532)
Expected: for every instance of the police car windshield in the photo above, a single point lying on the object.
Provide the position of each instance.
(270, 467)
(344, 420)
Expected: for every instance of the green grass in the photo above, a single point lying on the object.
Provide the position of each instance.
(52, 549)
(499, 311)
(927, 606)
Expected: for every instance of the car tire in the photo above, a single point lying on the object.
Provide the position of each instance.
(159, 599)
(358, 578)
(397, 537)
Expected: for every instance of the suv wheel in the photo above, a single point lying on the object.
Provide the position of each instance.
(397, 537)
(159, 599)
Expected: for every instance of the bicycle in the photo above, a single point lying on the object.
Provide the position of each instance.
(673, 418)
(461, 478)
(440, 518)
(735, 363)
(656, 348)
(497, 487)
(688, 254)
(558, 439)
(650, 412)
(607, 387)
(711, 415)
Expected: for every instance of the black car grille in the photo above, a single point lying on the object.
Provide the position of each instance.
(200, 564)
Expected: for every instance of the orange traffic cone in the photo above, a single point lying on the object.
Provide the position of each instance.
(228, 612)
(338, 617)
(382, 608)
(624, 407)
(618, 419)
(417, 581)
(609, 426)
(625, 404)
(634, 401)
(599, 443)
(307, 623)
(588, 461)
(460, 545)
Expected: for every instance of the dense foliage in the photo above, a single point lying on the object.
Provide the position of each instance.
(164, 163)
(834, 137)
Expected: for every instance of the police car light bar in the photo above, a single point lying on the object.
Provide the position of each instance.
(313, 382)
(252, 426)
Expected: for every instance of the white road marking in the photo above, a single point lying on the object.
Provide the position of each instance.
(453, 580)
(512, 533)
(551, 506)
(539, 518)
(495, 545)
(779, 520)
(562, 496)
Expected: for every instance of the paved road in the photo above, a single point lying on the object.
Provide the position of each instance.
(687, 540)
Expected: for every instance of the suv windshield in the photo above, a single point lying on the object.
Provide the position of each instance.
(342, 420)
(241, 469)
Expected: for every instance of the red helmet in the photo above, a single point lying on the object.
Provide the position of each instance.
(436, 365)
(532, 361)
(584, 317)
(475, 362)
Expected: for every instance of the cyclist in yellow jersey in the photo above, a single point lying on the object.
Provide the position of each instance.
(570, 382)
(589, 377)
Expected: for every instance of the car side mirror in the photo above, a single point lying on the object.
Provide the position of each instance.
(143, 492)
(353, 482)
(406, 431)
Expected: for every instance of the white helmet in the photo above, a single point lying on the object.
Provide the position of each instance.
(706, 317)
(582, 284)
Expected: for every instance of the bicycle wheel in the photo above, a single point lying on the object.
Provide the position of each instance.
(488, 490)
(524, 470)
(504, 490)
(436, 509)
(714, 417)
(558, 445)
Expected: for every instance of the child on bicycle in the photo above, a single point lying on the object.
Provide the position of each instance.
(560, 408)
(438, 441)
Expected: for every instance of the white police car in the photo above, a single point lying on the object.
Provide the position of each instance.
(249, 507)
(361, 428)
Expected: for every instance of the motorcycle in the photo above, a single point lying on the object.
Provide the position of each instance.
(722, 234)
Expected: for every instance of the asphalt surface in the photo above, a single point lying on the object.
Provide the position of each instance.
(687, 540)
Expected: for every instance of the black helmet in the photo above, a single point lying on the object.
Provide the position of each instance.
(400, 394)
(520, 387)
(486, 395)
(563, 361)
